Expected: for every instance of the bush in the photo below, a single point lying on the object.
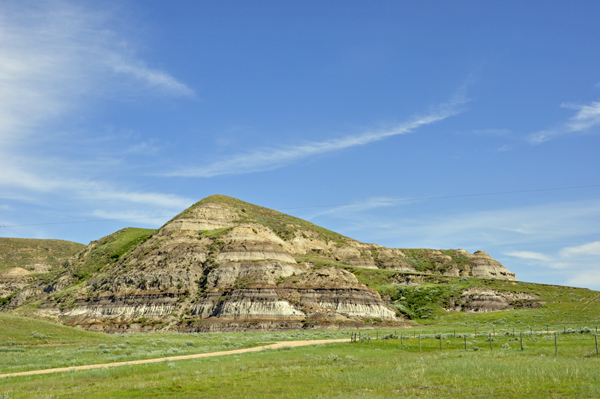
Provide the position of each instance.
(37, 335)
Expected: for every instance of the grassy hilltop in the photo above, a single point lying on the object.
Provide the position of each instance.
(25, 253)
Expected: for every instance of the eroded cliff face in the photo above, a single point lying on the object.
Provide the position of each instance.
(487, 300)
(227, 263)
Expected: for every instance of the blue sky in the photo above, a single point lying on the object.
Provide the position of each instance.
(349, 114)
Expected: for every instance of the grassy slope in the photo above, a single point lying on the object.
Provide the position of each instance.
(21, 252)
(564, 306)
(103, 252)
(109, 249)
(366, 369)
(26, 331)
(344, 371)
(27, 344)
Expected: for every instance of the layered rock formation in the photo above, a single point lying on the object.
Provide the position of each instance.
(230, 264)
(485, 300)
(12, 281)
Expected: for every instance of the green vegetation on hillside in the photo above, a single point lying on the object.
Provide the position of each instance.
(15, 330)
(426, 298)
(24, 252)
(109, 249)
(283, 225)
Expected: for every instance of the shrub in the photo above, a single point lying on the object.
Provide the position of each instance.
(38, 335)
(333, 358)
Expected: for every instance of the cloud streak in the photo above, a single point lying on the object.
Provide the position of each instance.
(529, 255)
(590, 249)
(53, 54)
(55, 57)
(345, 210)
(586, 118)
(273, 158)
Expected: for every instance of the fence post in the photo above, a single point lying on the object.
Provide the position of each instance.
(465, 341)
(521, 340)
(596, 338)
(384, 340)
(491, 347)
(400, 339)
(419, 342)
(555, 345)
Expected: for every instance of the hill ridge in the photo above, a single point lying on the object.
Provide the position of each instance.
(227, 264)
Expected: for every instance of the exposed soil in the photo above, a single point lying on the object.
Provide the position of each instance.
(276, 345)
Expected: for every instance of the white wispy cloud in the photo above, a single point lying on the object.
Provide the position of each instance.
(272, 158)
(138, 217)
(146, 147)
(345, 210)
(589, 249)
(54, 53)
(587, 278)
(56, 57)
(153, 78)
(529, 255)
(586, 118)
(514, 226)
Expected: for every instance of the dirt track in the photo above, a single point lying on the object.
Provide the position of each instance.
(172, 358)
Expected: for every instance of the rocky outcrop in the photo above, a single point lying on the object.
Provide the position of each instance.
(12, 281)
(226, 262)
(484, 266)
(484, 300)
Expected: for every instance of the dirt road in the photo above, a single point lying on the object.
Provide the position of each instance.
(173, 358)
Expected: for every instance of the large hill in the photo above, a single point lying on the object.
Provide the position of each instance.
(225, 264)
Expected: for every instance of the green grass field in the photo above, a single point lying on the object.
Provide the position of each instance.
(359, 369)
